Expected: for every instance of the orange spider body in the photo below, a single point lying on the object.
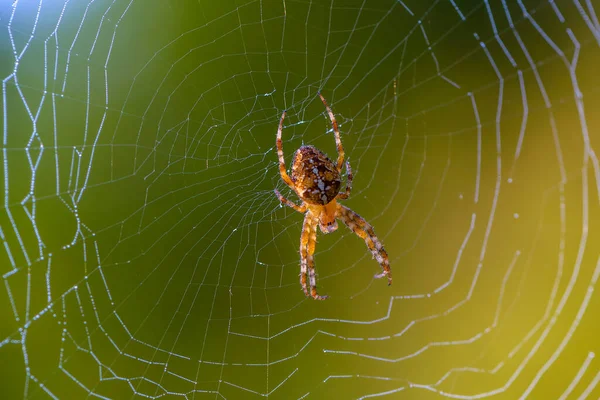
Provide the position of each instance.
(314, 175)
(317, 181)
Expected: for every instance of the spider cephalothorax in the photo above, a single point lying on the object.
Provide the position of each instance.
(316, 180)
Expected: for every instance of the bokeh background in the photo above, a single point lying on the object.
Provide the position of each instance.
(144, 254)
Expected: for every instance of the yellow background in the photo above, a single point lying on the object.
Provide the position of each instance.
(144, 253)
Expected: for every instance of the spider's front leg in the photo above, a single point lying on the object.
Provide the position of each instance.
(363, 229)
(308, 241)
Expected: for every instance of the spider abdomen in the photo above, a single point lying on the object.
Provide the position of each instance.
(315, 176)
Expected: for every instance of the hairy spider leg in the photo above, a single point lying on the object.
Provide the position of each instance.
(308, 242)
(363, 229)
(304, 238)
(282, 170)
(346, 194)
(338, 140)
(300, 208)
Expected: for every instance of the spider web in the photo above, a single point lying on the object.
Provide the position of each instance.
(145, 255)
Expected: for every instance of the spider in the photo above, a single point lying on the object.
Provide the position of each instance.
(316, 181)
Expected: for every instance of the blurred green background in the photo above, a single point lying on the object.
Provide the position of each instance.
(145, 255)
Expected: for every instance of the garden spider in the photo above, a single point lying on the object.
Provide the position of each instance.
(316, 181)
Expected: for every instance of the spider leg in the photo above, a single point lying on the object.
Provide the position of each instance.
(300, 208)
(363, 229)
(308, 241)
(338, 140)
(346, 194)
(282, 170)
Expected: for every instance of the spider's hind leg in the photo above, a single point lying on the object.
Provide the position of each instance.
(338, 140)
(282, 170)
(346, 194)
